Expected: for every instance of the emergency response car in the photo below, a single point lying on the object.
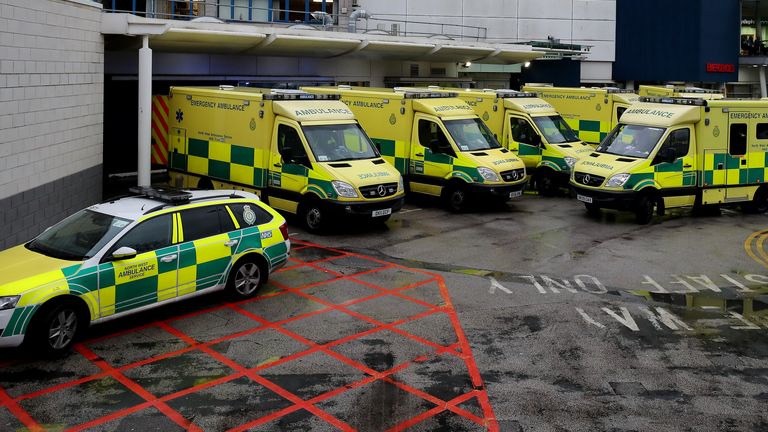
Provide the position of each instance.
(304, 153)
(437, 142)
(132, 254)
(533, 130)
(670, 152)
(679, 91)
(591, 112)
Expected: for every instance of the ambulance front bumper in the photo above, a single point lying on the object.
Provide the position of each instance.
(497, 190)
(367, 208)
(615, 200)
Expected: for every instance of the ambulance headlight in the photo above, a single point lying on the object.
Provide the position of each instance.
(9, 302)
(570, 161)
(344, 189)
(400, 184)
(617, 181)
(488, 174)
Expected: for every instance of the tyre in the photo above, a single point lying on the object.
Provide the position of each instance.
(246, 278)
(456, 198)
(644, 209)
(546, 183)
(205, 183)
(759, 203)
(313, 216)
(53, 333)
(592, 209)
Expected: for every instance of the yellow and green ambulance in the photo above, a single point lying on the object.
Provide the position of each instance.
(532, 129)
(679, 91)
(678, 152)
(437, 142)
(591, 112)
(132, 254)
(304, 153)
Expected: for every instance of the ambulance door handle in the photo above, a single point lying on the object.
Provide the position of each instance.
(687, 166)
(230, 243)
(420, 154)
(168, 258)
(278, 165)
(719, 166)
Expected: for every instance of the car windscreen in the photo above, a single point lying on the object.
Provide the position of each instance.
(631, 140)
(79, 236)
(471, 134)
(555, 129)
(339, 142)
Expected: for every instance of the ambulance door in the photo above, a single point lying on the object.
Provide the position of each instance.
(147, 278)
(177, 153)
(432, 155)
(674, 167)
(736, 160)
(524, 141)
(289, 167)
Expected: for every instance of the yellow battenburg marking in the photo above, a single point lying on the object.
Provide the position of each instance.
(197, 165)
(187, 280)
(143, 267)
(167, 281)
(92, 299)
(219, 151)
(212, 248)
(107, 301)
(241, 174)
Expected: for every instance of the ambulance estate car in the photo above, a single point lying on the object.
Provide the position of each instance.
(132, 254)
(670, 152)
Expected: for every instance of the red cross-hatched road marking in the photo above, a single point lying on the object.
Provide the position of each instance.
(460, 349)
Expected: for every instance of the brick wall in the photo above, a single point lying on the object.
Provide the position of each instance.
(51, 112)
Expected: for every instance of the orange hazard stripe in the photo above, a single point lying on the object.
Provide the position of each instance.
(159, 130)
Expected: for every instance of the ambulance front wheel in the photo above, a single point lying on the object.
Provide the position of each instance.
(546, 182)
(313, 215)
(644, 209)
(759, 203)
(56, 326)
(456, 198)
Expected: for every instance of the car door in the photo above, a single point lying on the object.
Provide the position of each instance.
(288, 167)
(148, 278)
(432, 156)
(522, 140)
(677, 178)
(206, 249)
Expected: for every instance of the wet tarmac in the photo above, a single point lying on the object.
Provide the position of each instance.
(527, 317)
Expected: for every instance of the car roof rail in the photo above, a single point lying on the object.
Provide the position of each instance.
(190, 200)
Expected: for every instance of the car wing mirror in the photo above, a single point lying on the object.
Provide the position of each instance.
(123, 253)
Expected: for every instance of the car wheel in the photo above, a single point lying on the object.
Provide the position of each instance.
(313, 216)
(55, 331)
(456, 198)
(644, 210)
(546, 184)
(759, 203)
(592, 209)
(245, 279)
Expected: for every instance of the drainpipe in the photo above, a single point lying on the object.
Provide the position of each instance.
(354, 16)
(145, 113)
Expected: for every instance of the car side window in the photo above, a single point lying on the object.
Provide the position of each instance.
(248, 215)
(289, 145)
(522, 131)
(202, 222)
(152, 234)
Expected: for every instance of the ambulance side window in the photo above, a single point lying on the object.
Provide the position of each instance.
(432, 137)
(289, 145)
(522, 131)
(620, 112)
(149, 235)
(737, 143)
(680, 141)
(204, 222)
(762, 131)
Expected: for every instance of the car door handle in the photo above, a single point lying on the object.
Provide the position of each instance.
(168, 258)
(420, 154)
(687, 166)
(230, 243)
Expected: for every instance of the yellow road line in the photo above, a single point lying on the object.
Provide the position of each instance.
(753, 245)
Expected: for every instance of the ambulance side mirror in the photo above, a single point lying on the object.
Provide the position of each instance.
(123, 253)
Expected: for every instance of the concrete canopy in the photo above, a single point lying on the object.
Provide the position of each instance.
(255, 39)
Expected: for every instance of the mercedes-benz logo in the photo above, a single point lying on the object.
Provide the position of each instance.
(586, 179)
(514, 175)
(381, 190)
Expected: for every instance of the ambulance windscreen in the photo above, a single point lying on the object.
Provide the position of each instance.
(631, 140)
(339, 142)
(555, 129)
(471, 134)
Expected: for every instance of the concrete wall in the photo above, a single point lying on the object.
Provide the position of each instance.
(51, 105)
(584, 22)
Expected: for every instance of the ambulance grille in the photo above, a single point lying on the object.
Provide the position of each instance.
(513, 175)
(588, 179)
(379, 190)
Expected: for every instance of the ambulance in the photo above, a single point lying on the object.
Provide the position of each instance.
(591, 112)
(437, 142)
(679, 91)
(531, 129)
(304, 154)
(679, 152)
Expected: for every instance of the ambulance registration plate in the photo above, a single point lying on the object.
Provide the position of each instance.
(585, 199)
(515, 194)
(382, 212)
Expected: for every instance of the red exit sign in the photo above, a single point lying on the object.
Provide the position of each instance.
(721, 67)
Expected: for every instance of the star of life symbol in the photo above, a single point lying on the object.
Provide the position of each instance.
(249, 216)
(179, 115)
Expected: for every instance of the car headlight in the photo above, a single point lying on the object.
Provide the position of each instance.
(400, 183)
(344, 189)
(617, 181)
(570, 161)
(488, 174)
(9, 302)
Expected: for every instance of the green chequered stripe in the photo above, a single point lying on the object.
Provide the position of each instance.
(387, 149)
(238, 165)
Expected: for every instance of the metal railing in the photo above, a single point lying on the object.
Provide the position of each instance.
(236, 12)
